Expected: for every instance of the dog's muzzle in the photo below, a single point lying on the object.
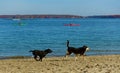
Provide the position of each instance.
(87, 49)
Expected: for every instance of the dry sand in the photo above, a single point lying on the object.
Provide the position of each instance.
(90, 64)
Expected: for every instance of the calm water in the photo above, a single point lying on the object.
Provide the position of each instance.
(17, 37)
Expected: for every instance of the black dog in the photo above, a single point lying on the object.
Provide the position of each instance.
(40, 53)
(76, 51)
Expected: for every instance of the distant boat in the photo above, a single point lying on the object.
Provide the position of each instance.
(71, 24)
(19, 23)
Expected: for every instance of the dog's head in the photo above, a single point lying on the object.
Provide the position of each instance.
(86, 47)
(48, 50)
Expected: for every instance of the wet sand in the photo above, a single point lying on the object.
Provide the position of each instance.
(88, 64)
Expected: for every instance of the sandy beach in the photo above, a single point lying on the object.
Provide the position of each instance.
(88, 64)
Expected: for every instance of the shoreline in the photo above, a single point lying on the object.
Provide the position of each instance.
(48, 56)
(98, 53)
(88, 64)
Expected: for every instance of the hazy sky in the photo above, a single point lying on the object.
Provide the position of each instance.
(74, 7)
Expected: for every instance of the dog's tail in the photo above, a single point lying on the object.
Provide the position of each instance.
(67, 43)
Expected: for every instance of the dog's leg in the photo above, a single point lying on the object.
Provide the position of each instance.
(40, 59)
(76, 57)
(35, 57)
(67, 54)
(83, 57)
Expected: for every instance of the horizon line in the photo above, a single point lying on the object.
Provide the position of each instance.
(62, 14)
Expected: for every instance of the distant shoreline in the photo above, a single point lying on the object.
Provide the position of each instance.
(56, 16)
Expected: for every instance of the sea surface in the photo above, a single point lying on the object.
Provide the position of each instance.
(18, 36)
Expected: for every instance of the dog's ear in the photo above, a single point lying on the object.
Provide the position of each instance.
(49, 50)
(85, 46)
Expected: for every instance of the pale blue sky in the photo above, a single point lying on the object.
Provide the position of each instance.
(74, 7)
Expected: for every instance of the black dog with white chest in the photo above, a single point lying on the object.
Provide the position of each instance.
(76, 51)
(40, 53)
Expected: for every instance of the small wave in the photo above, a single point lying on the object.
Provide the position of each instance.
(105, 50)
